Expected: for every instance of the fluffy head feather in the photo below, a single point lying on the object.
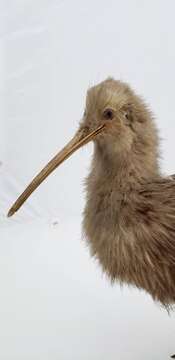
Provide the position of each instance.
(131, 133)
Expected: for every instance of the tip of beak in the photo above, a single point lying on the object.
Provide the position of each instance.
(10, 213)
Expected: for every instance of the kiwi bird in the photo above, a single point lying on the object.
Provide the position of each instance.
(129, 216)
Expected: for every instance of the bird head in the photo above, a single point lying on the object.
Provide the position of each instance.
(127, 124)
(119, 123)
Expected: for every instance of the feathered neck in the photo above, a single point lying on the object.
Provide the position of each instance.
(127, 169)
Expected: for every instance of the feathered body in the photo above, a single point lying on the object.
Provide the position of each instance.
(129, 217)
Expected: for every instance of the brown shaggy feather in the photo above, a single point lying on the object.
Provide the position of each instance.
(129, 217)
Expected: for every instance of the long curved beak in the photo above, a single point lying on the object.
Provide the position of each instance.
(77, 141)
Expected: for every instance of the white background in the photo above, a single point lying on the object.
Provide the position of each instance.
(54, 301)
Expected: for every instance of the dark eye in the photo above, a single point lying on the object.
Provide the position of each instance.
(126, 115)
(108, 114)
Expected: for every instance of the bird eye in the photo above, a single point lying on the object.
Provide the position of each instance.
(108, 114)
(126, 115)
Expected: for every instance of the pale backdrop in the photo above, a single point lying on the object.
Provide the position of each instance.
(54, 301)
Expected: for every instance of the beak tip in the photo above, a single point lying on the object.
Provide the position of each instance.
(10, 213)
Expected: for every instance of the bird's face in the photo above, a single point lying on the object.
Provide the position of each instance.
(115, 118)
(109, 105)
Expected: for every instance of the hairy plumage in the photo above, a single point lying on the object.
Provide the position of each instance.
(129, 217)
